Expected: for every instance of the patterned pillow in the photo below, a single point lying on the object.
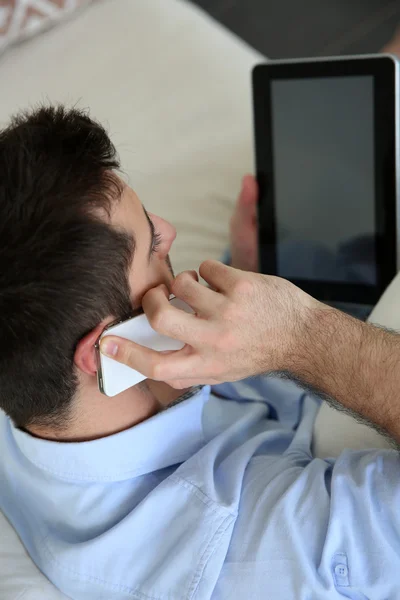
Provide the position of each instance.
(20, 19)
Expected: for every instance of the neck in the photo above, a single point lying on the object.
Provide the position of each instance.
(95, 415)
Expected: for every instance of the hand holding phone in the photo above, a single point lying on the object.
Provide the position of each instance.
(243, 324)
(114, 377)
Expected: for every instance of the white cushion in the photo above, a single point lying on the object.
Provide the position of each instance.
(19, 577)
(174, 89)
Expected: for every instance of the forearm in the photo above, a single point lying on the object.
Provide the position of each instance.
(354, 363)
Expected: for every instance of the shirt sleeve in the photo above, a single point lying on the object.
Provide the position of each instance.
(332, 526)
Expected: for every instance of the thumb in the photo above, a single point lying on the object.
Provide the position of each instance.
(122, 350)
(248, 196)
(159, 366)
(132, 355)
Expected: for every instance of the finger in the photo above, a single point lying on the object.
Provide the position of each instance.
(187, 368)
(219, 276)
(152, 364)
(192, 274)
(156, 302)
(202, 299)
(174, 322)
(158, 308)
(248, 196)
(157, 295)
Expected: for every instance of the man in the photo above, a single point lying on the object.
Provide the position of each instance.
(216, 497)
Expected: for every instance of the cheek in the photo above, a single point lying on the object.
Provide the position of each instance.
(142, 279)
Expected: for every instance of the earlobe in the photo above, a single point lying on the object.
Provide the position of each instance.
(85, 353)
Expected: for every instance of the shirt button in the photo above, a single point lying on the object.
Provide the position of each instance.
(341, 570)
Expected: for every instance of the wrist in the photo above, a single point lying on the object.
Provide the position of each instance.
(321, 347)
(297, 333)
(328, 338)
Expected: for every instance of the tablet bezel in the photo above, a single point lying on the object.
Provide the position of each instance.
(384, 69)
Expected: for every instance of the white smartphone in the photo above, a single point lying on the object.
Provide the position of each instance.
(114, 377)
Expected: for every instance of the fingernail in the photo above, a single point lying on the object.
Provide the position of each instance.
(109, 348)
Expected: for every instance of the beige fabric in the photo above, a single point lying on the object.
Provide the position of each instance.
(174, 89)
(20, 19)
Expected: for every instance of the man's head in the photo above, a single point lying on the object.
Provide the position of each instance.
(77, 249)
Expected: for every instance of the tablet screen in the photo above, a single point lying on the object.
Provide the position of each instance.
(324, 178)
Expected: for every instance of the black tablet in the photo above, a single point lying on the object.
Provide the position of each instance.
(327, 152)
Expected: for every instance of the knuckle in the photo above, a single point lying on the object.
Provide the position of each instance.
(208, 263)
(156, 370)
(208, 266)
(243, 287)
(127, 355)
(182, 280)
(159, 319)
(194, 275)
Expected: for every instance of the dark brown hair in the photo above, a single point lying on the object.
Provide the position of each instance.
(63, 268)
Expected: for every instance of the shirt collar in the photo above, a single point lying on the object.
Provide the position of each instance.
(169, 437)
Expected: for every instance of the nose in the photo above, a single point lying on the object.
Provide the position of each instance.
(167, 232)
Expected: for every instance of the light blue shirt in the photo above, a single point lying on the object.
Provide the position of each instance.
(215, 498)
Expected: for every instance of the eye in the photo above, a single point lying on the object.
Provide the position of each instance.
(156, 242)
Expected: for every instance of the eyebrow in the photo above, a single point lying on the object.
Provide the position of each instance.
(152, 232)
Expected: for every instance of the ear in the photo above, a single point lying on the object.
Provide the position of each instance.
(85, 353)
